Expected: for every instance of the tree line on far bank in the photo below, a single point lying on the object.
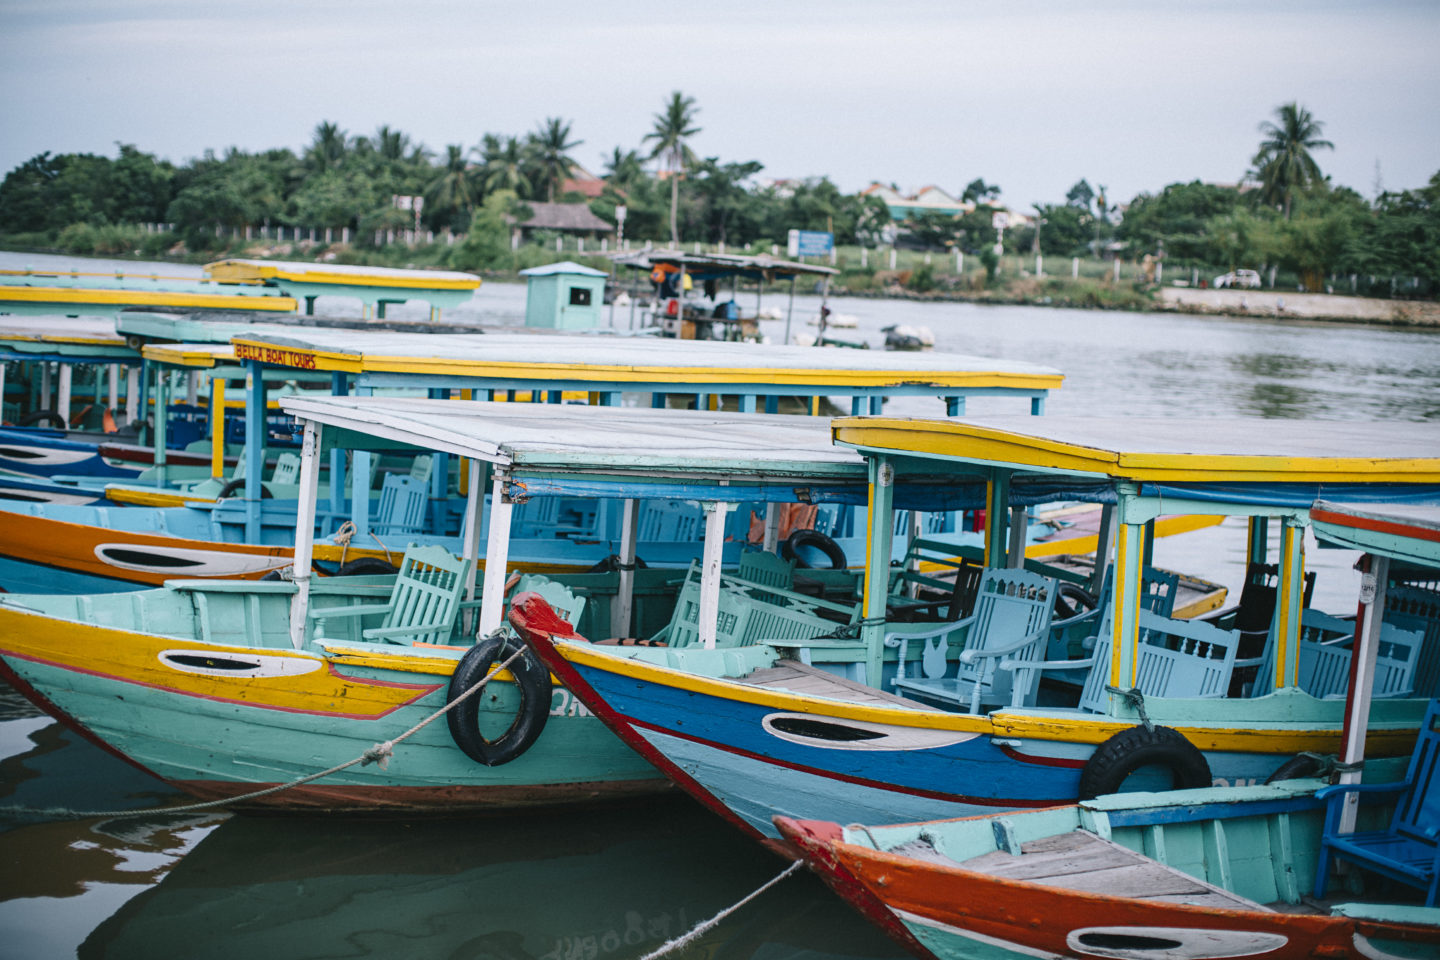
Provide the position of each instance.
(1287, 214)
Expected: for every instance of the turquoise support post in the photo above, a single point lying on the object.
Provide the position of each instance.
(555, 396)
(1149, 543)
(747, 403)
(855, 405)
(440, 469)
(657, 401)
(254, 447)
(141, 410)
(702, 401)
(877, 406)
(339, 387)
(360, 483)
(1288, 602)
(879, 531)
(162, 427)
(997, 518)
(1037, 406)
(1125, 619)
(954, 406)
(772, 403)
(1259, 543)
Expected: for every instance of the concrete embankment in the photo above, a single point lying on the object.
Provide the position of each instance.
(1302, 306)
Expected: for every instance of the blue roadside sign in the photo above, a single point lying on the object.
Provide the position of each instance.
(810, 243)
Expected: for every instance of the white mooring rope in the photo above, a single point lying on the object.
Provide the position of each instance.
(670, 946)
(379, 753)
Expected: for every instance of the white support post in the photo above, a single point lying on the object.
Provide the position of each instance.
(360, 480)
(305, 531)
(1015, 552)
(2, 389)
(1366, 646)
(45, 389)
(497, 560)
(132, 394)
(620, 612)
(192, 387)
(62, 399)
(772, 527)
(114, 399)
(470, 532)
(710, 572)
(1074, 268)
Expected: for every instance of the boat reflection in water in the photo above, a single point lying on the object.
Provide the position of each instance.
(610, 883)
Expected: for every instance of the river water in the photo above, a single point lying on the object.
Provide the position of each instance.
(616, 882)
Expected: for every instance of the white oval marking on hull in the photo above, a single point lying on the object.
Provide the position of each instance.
(185, 561)
(1171, 943)
(208, 663)
(42, 456)
(830, 733)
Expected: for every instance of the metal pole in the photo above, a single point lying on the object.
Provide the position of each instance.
(790, 311)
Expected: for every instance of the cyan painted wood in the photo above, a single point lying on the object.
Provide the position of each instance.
(423, 604)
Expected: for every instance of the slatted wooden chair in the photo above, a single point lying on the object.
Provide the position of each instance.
(287, 469)
(922, 592)
(402, 505)
(423, 603)
(1175, 658)
(1413, 607)
(1011, 622)
(751, 613)
(561, 598)
(1409, 849)
(1324, 658)
(766, 569)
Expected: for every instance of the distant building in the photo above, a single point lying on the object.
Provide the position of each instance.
(572, 218)
(583, 182)
(929, 199)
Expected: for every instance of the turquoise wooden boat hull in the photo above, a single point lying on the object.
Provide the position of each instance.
(199, 686)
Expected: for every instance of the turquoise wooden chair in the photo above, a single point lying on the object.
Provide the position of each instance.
(1175, 659)
(766, 569)
(423, 603)
(402, 505)
(1413, 608)
(1406, 851)
(1011, 623)
(923, 592)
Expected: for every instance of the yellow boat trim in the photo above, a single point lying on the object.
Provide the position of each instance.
(114, 275)
(971, 442)
(1077, 546)
(315, 359)
(191, 355)
(231, 271)
(152, 498)
(148, 298)
(17, 337)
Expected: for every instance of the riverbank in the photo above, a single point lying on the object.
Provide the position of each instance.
(1301, 306)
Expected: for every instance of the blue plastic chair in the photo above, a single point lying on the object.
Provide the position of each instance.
(1408, 850)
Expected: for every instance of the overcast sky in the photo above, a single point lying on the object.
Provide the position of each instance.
(1032, 96)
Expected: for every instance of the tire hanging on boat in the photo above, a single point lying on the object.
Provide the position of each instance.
(1136, 747)
(532, 680)
(238, 485)
(812, 539)
(41, 417)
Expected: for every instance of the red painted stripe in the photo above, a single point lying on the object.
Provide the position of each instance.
(1397, 528)
(1014, 754)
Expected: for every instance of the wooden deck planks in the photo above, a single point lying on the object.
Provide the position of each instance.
(811, 681)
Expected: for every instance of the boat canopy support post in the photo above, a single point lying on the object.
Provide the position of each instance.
(879, 530)
(162, 427)
(955, 406)
(63, 390)
(620, 613)
(710, 571)
(470, 528)
(1125, 619)
(254, 446)
(360, 483)
(132, 395)
(997, 499)
(497, 559)
(339, 387)
(1104, 546)
(1037, 405)
(1019, 525)
(305, 530)
(45, 389)
(1288, 603)
(439, 473)
(1150, 542)
(1375, 573)
(217, 427)
(1259, 539)
(772, 527)
(2, 388)
(113, 399)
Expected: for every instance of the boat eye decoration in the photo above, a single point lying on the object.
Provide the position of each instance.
(1171, 943)
(835, 733)
(168, 561)
(231, 664)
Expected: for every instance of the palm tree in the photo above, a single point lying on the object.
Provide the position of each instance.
(1283, 163)
(504, 164)
(550, 144)
(327, 148)
(390, 143)
(450, 191)
(672, 127)
(623, 168)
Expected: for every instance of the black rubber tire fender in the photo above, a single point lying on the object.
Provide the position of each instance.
(43, 416)
(533, 682)
(366, 567)
(1136, 747)
(239, 484)
(814, 539)
(1072, 599)
(612, 563)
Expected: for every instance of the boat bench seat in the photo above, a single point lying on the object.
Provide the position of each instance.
(750, 613)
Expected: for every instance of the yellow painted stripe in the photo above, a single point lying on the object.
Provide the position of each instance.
(970, 442)
(314, 359)
(190, 355)
(413, 280)
(1076, 546)
(96, 341)
(147, 298)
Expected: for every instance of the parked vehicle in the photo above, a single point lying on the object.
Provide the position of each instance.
(1238, 278)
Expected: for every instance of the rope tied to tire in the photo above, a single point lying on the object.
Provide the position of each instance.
(379, 753)
(1135, 700)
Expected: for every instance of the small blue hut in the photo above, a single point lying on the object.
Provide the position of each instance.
(565, 296)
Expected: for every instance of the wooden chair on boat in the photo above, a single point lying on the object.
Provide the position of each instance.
(402, 505)
(423, 603)
(1416, 608)
(1011, 622)
(921, 593)
(1324, 659)
(766, 569)
(751, 613)
(1072, 634)
(561, 598)
(1407, 850)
